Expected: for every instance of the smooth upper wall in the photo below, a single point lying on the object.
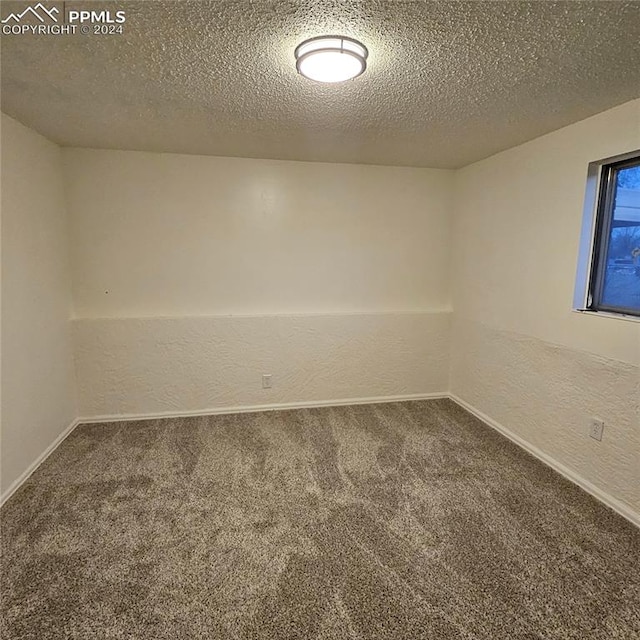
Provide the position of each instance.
(166, 234)
(518, 218)
(193, 276)
(38, 387)
(520, 355)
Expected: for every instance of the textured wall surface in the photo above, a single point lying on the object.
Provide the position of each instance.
(517, 226)
(447, 83)
(193, 276)
(155, 365)
(165, 246)
(519, 353)
(171, 235)
(38, 387)
(547, 393)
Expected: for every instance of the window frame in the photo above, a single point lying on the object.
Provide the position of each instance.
(596, 232)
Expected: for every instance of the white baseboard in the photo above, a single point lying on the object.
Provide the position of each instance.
(206, 412)
(613, 503)
(619, 507)
(311, 404)
(16, 484)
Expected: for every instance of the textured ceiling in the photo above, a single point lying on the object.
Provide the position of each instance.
(447, 83)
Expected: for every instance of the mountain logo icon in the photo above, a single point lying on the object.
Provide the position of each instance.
(39, 11)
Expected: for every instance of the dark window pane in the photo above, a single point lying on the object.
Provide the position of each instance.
(621, 288)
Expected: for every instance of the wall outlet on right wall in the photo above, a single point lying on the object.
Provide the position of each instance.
(596, 427)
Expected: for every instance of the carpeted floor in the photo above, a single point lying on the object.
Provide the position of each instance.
(406, 520)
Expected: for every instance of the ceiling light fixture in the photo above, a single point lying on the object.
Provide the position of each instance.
(331, 58)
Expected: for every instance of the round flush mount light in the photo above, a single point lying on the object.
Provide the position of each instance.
(331, 58)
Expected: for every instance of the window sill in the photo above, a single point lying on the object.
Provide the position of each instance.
(607, 314)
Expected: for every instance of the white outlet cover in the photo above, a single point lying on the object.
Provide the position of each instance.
(596, 429)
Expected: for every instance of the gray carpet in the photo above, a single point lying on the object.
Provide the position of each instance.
(405, 520)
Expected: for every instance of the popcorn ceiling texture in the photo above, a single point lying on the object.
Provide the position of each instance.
(546, 394)
(156, 365)
(447, 84)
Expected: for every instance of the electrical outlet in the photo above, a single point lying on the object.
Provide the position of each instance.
(596, 428)
(266, 381)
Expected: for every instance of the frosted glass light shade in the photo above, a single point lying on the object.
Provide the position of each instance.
(331, 58)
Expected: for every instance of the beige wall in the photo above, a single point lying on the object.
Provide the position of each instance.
(519, 353)
(336, 277)
(38, 394)
(166, 234)
(193, 276)
(133, 366)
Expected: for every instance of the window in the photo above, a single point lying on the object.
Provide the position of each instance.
(609, 275)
